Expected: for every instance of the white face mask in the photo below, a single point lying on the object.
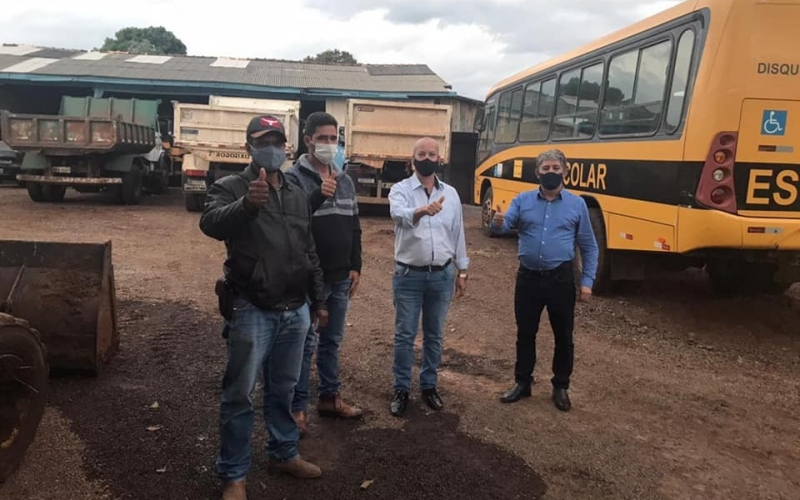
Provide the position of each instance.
(325, 152)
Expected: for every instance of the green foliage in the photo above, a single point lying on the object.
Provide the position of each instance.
(152, 40)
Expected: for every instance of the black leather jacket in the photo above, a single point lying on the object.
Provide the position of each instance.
(271, 260)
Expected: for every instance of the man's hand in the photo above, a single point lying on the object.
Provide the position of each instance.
(435, 207)
(585, 294)
(258, 193)
(430, 209)
(321, 318)
(499, 218)
(328, 187)
(355, 279)
(461, 287)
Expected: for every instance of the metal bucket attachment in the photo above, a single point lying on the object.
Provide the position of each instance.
(67, 292)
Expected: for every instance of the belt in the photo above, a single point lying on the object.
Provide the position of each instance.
(429, 268)
(564, 266)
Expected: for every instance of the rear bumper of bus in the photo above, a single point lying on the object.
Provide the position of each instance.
(700, 229)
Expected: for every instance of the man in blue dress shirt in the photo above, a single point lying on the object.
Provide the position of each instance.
(430, 262)
(549, 220)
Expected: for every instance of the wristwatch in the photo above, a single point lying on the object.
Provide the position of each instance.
(463, 275)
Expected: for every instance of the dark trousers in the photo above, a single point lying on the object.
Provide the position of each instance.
(534, 291)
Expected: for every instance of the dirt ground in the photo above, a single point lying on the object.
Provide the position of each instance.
(676, 394)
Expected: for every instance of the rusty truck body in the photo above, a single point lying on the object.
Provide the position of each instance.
(92, 145)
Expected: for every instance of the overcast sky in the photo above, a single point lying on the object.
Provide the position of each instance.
(470, 43)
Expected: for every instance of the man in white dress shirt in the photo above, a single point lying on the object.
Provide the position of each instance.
(430, 259)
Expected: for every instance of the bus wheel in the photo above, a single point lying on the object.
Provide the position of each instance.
(487, 211)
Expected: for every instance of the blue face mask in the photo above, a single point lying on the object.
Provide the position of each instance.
(270, 158)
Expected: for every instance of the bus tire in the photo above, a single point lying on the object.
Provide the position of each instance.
(22, 404)
(487, 211)
(602, 281)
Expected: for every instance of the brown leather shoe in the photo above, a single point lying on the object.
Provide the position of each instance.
(336, 407)
(302, 422)
(234, 490)
(298, 468)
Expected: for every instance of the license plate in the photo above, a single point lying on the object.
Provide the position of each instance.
(62, 170)
(195, 186)
(366, 181)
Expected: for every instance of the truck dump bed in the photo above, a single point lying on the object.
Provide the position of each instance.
(84, 125)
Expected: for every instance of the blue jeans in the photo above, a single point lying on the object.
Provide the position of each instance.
(430, 294)
(270, 342)
(337, 297)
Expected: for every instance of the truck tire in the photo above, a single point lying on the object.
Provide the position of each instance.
(23, 390)
(54, 193)
(158, 181)
(132, 187)
(194, 202)
(35, 192)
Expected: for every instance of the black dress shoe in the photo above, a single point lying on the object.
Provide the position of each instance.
(432, 399)
(399, 403)
(561, 399)
(516, 393)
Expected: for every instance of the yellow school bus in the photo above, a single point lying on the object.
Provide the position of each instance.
(682, 133)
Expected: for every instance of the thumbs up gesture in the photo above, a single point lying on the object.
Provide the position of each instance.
(258, 193)
(435, 207)
(499, 218)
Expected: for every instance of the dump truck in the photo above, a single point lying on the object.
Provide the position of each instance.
(57, 314)
(213, 138)
(92, 145)
(379, 140)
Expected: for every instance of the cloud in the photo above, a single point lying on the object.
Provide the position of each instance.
(470, 43)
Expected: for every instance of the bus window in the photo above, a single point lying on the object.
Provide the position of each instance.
(635, 91)
(508, 113)
(539, 98)
(578, 96)
(680, 80)
(487, 132)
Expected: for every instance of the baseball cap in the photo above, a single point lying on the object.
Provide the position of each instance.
(264, 124)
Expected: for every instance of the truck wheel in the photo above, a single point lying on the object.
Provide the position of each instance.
(54, 193)
(132, 187)
(158, 182)
(23, 390)
(35, 192)
(194, 202)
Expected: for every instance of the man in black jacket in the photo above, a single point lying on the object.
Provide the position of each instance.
(273, 268)
(337, 234)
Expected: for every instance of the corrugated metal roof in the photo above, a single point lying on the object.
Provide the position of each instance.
(409, 78)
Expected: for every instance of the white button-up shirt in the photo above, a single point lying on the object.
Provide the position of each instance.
(432, 240)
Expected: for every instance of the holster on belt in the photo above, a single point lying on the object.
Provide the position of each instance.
(225, 295)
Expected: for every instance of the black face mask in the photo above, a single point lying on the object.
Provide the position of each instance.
(551, 180)
(425, 167)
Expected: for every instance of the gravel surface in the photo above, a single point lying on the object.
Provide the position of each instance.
(676, 394)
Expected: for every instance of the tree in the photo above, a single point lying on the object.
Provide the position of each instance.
(152, 40)
(334, 56)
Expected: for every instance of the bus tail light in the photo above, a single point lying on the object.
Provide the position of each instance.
(716, 187)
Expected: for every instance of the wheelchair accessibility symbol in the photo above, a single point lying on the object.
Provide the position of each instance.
(773, 122)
